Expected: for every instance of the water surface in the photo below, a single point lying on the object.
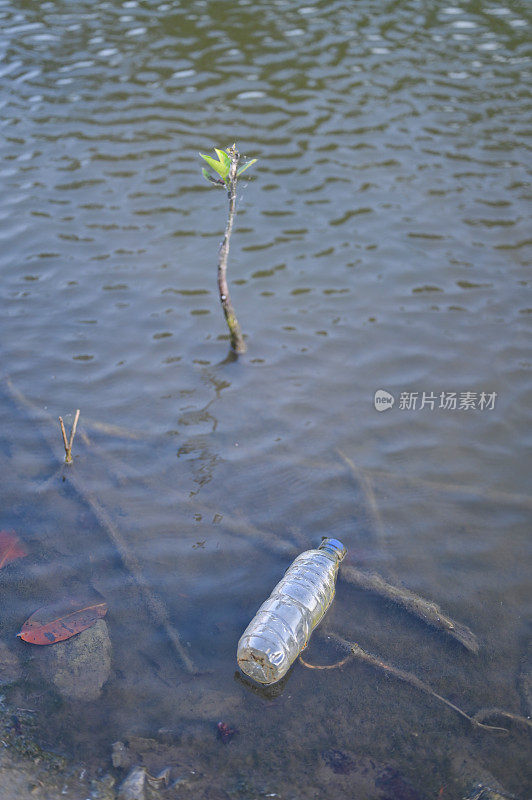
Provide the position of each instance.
(381, 243)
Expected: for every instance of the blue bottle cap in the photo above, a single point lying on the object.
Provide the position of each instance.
(333, 546)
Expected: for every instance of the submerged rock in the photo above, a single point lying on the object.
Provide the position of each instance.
(133, 786)
(120, 756)
(10, 670)
(78, 667)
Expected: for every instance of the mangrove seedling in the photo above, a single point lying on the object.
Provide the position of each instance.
(228, 171)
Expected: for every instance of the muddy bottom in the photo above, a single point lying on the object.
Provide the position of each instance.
(201, 756)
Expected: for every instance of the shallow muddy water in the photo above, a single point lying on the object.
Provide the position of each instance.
(381, 243)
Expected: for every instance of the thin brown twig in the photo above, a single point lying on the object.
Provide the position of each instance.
(326, 666)
(69, 442)
(486, 713)
(65, 440)
(63, 431)
(73, 431)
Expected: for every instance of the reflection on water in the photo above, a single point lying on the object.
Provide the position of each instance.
(381, 244)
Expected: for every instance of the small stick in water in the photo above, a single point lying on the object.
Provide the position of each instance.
(410, 678)
(326, 666)
(69, 442)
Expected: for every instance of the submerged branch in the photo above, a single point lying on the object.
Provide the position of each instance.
(156, 608)
(426, 610)
(409, 678)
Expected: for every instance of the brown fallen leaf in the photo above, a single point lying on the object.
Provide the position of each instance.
(61, 620)
(10, 548)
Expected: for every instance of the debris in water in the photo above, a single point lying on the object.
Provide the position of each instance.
(61, 620)
(225, 733)
(159, 781)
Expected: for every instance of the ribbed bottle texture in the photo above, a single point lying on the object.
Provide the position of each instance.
(281, 628)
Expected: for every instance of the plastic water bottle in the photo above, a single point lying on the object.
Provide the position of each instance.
(281, 628)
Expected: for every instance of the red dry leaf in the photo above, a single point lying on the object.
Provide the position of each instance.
(60, 621)
(10, 547)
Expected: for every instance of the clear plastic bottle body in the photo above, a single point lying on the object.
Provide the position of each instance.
(282, 626)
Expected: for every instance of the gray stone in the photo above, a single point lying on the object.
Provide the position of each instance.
(133, 786)
(78, 667)
(120, 756)
(10, 671)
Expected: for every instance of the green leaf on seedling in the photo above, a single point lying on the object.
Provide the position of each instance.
(224, 158)
(241, 170)
(217, 166)
(211, 178)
